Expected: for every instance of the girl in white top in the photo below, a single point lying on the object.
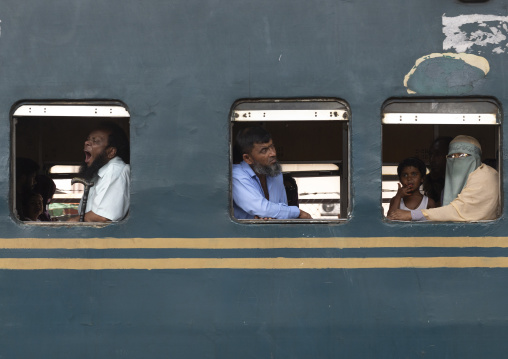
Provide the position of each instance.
(411, 173)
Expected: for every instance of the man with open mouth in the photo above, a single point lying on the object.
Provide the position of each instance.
(106, 164)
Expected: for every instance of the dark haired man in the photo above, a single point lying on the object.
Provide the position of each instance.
(106, 164)
(258, 187)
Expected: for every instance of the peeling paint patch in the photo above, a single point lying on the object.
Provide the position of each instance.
(476, 33)
(446, 74)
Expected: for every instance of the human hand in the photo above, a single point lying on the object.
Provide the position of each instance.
(263, 218)
(403, 191)
(399, 215)
(304, 215)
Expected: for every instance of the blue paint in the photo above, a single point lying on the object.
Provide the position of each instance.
(179, 66)
(258, 253)
(446, 76)
(253, 314)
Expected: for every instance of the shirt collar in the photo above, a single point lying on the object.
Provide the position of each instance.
(246, 167)
(103, 169)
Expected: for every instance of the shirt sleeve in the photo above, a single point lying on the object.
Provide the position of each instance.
(478, 200)
(417, 215)
(246, 196)
(112, 196)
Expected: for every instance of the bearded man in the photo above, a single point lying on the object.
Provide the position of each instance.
(106, 164)
(258, 187)
(471, 191)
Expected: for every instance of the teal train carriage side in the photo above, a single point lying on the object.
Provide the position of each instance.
(347, 89)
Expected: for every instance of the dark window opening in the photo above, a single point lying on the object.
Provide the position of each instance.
(473, 1)
(311, 141)
(412, 126)
(51, 136)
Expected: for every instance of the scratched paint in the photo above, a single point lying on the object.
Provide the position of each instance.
(479, 34)
(446, 74)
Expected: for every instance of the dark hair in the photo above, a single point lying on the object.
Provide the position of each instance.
(412, 162)
(117, 139)
(26, 167)
(445, 140)
(247, 137)
(46, 187)
(26, 197)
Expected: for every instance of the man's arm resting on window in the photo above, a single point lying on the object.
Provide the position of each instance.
(247, 197)
(93, 217)
(89, 217)
(303, 215)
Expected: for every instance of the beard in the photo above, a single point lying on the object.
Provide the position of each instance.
(270, 171)
(89, 172)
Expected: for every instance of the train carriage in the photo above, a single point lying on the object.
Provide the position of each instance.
(347, 89)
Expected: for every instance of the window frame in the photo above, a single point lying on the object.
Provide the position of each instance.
(345, 170)
(96, 109)
(468, 119)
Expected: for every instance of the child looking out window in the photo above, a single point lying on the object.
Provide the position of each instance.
(411, 173)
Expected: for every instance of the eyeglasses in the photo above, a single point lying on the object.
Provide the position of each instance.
(458, 155)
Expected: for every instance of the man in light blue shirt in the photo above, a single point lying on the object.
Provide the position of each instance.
(258, 187)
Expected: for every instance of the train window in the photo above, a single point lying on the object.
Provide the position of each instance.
(423, 128)
(311, 143)
(48, 151)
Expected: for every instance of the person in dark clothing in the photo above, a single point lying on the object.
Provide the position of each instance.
(26, 170)
(433, 184)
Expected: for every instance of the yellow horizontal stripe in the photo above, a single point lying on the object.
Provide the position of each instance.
(246, 243)
(251, 263)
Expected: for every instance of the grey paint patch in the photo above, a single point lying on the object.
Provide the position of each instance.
(445, 76)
